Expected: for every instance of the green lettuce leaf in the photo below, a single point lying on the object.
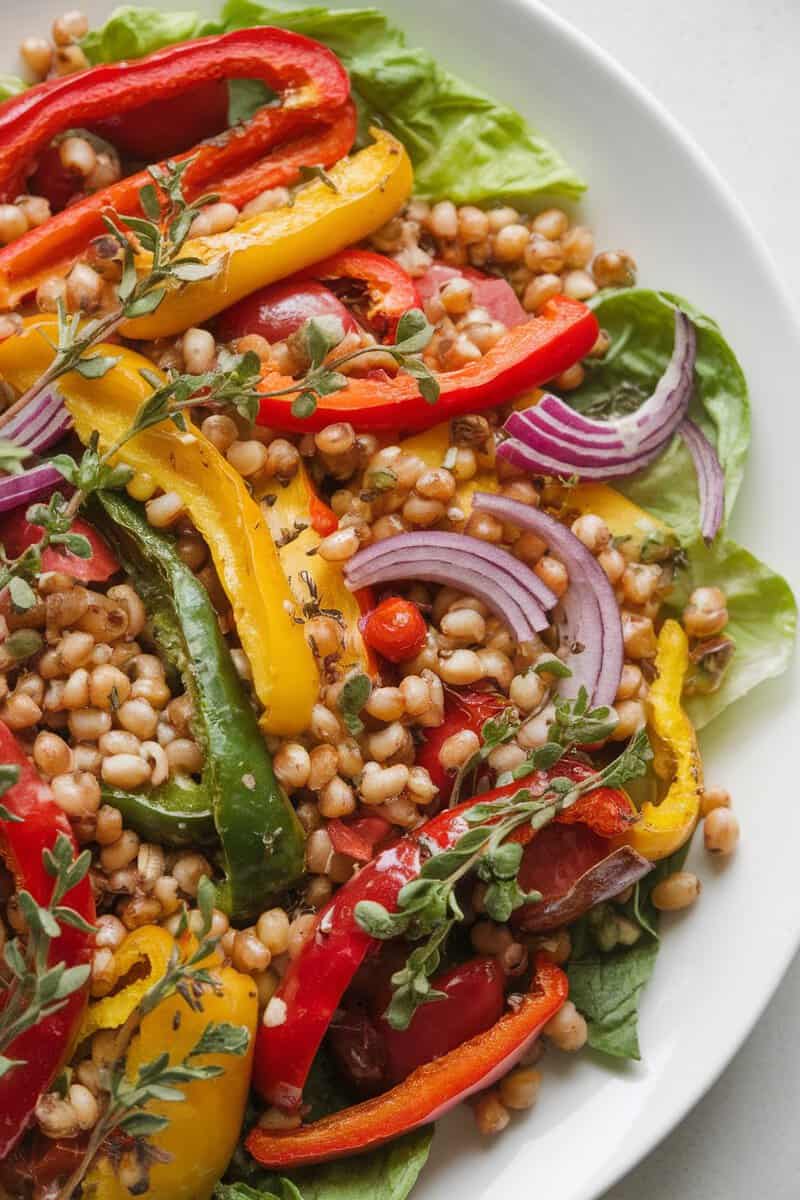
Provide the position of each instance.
(641, 324)
(132, 32)
(607, 987)
(464, 146)
(11, 85)
(762, 608)
(388, 1173)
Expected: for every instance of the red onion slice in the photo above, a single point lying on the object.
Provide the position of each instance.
(519, 611)
(554, 439)
(589, 607)
(710, 478)
(506, 585)
(448, 543)
(41, 423)
(16, 490)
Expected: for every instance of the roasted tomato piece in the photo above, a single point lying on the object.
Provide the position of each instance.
(276, 311)
(396, 629)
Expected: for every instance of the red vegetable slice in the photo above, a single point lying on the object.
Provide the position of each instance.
(396, 629)
(463, 711)
(16, 534)
(491, 292)
(276, 311)
(428, 1093)
(600, 881)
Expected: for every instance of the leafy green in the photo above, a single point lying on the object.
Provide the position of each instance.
(762, 619)
(464, 146)
(641, 325)
(388, 1173)
(11, 85)
(761, 606)
(132, 32)
(607, 987)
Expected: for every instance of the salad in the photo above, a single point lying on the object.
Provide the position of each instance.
(364, 582)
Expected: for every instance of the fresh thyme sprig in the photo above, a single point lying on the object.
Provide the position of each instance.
(36, 990)
(126, 1107)
(324, 376)
(162, 232)
(428, 907)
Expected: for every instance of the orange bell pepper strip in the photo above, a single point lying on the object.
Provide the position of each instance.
(663, 828)
(525, 356)
(359, 195)
(427, 1093)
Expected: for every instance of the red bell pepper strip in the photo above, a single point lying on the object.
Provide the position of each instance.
(427, 1093)
(306, 72)
(44, 1047)
(390, 290)
(316, 980)
(17, 534)
(280, 140)
(462, 711)
(526, 356)
(166, 127)
(491, 292)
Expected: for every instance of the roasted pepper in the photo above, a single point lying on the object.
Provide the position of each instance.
(313, 124)
(44, 1048)
(427, 1093)
(204, 1127)
(298, 521)
(319, 976)
(261, 839)
(51, 248)
(358, 195)
(663, 828)
(377, 287)
(216, 497)
(531, 353)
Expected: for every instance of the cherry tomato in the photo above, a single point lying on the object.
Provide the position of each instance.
(164, 127)
(396, 629)
(277, 310)
(488, 291)
(16, 534)
(463, 710)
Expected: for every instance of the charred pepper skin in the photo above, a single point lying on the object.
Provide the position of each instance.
(261, 840)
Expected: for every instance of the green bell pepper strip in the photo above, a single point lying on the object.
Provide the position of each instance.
(262, 843)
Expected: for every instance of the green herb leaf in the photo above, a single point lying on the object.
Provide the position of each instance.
(142, 1124)
(12, 457)
(96, 366)
(220, 1037)
(304, 405)
(414, 332)
(352, 698)
(23, 597)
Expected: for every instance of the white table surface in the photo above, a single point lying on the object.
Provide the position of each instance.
(727, 69)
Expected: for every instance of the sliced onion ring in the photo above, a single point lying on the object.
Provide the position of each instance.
(506, 585)
(710, 478)
(589, 607)
(554, 439)
(16, 490)
(41, 423)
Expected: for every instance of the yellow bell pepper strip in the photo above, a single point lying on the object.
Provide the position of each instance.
(663, 828)
(298, 520)
(359, 195)
(285, 676)
(148, 949)
(204, 1127)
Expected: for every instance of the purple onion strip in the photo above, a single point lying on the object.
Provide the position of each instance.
(710, 478)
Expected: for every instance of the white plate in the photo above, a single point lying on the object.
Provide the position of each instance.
(654, 193)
